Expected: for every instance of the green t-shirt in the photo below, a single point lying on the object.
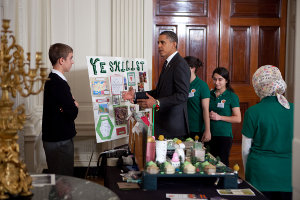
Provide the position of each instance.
(198, 90)
(222, 105)
(269, 162)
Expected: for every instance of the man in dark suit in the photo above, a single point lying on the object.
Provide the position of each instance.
(171, 93)
(59, 112)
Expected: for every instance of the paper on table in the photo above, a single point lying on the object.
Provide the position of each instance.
(186, 196)
(40, 180)
(236, 192)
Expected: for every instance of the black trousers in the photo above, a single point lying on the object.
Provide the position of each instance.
(60, 157)
(220, 146)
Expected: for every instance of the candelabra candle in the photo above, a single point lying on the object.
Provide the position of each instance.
(15, 76)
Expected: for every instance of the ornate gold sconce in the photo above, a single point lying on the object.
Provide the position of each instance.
(15, 76)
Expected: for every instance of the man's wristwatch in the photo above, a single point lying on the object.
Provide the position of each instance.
(157, 102)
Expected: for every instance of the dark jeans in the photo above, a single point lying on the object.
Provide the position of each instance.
(220, 146)
(278, 195)
(60, 157)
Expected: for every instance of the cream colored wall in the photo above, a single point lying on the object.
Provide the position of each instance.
(121, 28)
(296, 142)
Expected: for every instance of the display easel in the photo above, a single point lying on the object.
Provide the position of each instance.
(87, 170)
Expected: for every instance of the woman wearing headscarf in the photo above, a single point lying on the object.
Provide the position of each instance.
(267, 136)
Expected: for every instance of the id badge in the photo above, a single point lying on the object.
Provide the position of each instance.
(220, 105)
(191, 94)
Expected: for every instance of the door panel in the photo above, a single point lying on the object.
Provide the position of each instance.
(196, 45)
(181, 8)
(268, 49)
(239, 52)
(255, 8)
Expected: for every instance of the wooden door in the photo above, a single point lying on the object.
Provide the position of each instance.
(252, 34)
(240, 35)
(196, 24)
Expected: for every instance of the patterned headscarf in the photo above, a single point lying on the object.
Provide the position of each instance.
(267, 81)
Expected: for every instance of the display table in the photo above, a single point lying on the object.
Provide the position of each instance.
(150, 180)
(67, 187)
(185, 185)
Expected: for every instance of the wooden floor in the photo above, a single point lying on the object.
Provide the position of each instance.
(98, 180)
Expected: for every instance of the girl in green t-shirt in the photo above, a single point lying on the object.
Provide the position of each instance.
(224, 110)
(198, 103)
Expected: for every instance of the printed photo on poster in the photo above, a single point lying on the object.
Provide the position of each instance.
(101, 108)
(143, 77)
(100, 86)
(141, 87)
(121, 131)
(132, 108)
(115, 99)
(117, 85)
(131, 78)
(121, 114)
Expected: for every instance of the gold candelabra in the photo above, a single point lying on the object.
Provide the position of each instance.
(15, 76)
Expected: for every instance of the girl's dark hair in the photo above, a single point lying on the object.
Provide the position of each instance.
(193, 62)
(225, 74)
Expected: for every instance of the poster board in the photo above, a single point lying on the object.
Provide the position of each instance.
(109, 77)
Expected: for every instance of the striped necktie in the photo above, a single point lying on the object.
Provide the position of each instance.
(165, 65)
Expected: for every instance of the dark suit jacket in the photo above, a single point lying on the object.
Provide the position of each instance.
(58, 125)
(172, 92)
